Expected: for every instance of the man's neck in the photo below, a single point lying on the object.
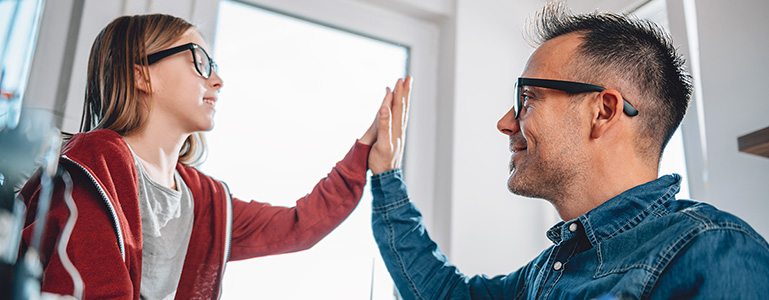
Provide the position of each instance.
(601, 185)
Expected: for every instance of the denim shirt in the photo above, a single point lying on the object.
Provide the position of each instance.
(641, 244)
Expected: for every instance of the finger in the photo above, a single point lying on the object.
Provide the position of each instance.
(386, 101)
(397, 108)
(406, 99)
(370, 136)
(384, 133)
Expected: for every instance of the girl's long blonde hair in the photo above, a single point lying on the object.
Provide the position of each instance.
(112, 98)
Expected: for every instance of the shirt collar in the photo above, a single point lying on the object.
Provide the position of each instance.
(624, 211)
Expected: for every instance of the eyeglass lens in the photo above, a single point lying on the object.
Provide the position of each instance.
(518, 100)
(202, 62)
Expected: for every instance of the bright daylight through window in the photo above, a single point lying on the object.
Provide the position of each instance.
(296, 96)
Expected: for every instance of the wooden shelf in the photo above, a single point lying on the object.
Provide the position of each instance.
(756, 142)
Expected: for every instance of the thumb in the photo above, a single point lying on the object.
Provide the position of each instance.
(384, 132)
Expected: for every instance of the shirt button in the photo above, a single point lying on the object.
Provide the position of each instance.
(557, 265)
(573, 227)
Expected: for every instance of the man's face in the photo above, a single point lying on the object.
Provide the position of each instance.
(546, 139)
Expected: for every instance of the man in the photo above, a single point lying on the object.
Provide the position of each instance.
(597, 103)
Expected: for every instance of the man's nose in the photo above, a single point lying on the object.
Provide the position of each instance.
(508, 124)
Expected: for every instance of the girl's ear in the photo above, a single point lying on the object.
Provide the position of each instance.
(142, 81)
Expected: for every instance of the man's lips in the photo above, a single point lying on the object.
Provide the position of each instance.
(517, 143)
(517, 147)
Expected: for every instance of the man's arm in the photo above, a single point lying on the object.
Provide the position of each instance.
(417, 266)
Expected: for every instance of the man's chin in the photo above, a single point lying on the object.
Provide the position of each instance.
(516, 185)
(513, 183)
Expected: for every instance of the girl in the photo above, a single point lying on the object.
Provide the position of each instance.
(149, 224)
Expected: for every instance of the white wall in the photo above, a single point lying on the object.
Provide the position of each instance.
(735, 72)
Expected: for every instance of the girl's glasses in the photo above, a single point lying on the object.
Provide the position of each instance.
(203, 63)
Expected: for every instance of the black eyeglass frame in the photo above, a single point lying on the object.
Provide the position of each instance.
(212, 67)
(566, 86)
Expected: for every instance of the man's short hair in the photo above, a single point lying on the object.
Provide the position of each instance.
(624, 49)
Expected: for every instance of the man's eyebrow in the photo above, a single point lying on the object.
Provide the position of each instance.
(530, 88)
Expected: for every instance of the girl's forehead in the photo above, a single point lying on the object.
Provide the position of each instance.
(192, 36)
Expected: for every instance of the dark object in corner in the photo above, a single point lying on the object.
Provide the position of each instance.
(756, 142)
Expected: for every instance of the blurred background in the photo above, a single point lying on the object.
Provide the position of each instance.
(303, 80)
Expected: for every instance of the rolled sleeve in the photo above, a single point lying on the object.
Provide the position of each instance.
(389, 190)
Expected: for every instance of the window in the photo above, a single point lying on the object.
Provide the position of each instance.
(296, 96)
(19, 22)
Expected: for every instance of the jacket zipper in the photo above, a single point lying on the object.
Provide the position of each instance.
(227, 234)
(110, 207)
(228, 229)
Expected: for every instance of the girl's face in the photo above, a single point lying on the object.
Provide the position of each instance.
(183, 101)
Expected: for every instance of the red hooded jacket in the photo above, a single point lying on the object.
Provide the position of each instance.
(106, 242)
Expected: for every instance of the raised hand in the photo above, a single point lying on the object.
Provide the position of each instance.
(387, 152)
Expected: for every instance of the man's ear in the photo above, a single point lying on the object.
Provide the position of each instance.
(610, 106)
(141, 79)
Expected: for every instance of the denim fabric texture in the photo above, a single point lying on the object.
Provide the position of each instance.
(641, 244)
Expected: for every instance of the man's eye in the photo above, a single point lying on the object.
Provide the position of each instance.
(525, 98)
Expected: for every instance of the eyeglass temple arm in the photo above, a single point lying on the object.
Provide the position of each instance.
(629, 109)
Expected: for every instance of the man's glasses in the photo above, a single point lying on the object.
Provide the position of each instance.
(203, 63)
(566, 86)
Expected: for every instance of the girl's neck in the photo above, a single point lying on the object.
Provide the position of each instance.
(158, 152)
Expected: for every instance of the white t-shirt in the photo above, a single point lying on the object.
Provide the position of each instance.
(167, 217)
